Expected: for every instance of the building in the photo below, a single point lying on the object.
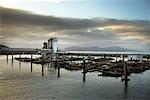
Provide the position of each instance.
(51, 44)
(54, 44)
(45, 45)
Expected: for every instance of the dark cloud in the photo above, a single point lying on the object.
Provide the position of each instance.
(20, 24)
(16, 17)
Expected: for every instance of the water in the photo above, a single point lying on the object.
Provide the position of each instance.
(17, 82)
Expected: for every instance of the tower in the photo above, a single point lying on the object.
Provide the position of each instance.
(53, 44)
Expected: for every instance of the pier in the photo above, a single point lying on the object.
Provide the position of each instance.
(112, 64)
(91, 62)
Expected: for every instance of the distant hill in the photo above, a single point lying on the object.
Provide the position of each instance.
(94, 48)
(3, 46)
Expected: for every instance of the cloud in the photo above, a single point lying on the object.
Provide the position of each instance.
(132, 30)
(13, 3)
(20, 24)
(16, 17)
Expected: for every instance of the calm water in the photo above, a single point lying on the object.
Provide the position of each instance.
(17, 82)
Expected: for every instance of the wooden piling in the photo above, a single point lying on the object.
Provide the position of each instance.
(42, 70)
(31, 56)
(19, 60)
(84, 70)
(31, 66)
(55, 64)
(125, 70)
(7, 58)
(58, 67)
(12, 58)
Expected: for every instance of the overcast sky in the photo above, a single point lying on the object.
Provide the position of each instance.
(102, 23)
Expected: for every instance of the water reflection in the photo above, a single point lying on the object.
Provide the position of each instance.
(125, 89)
(49, 67)
(20, 65)
(12, 64)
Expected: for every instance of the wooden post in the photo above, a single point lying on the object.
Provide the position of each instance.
(58, 67)
(56, 63)
(125, 70)
(31, 66)
(12, 58)
(19, 60)
(31, 56)
(42, 70)
(7, 58)
(84, 70)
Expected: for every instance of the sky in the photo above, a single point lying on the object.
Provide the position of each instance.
(102, 23)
